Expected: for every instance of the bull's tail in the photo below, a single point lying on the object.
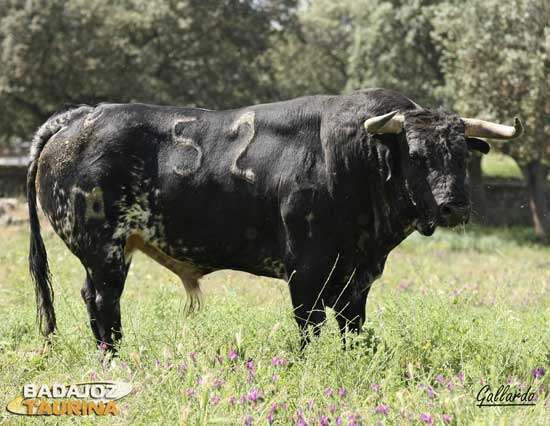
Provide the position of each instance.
(38, 259)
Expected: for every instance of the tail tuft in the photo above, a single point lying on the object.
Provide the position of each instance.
(194, 298)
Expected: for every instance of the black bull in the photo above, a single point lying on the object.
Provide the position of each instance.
(298, 190)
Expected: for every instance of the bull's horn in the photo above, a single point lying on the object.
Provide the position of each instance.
(486, 129)
(387, 123)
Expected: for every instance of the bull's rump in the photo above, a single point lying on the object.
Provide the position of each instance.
(175, 176)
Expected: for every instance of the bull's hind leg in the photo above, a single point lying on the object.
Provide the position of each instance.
(188, 273)
(101, 292)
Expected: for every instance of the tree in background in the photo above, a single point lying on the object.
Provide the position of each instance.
(341, 46)
(188, 52)
(392, 48)
(313, 56)
(496, 60)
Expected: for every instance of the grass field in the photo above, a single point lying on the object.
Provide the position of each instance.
(451, 313)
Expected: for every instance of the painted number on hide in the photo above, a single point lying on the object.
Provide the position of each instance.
(247, 119)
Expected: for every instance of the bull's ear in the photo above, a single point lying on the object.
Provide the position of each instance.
(478, 145)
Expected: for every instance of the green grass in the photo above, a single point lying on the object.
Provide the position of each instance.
(473, 301)
(498, 165)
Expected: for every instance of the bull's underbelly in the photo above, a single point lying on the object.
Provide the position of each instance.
(95, 224)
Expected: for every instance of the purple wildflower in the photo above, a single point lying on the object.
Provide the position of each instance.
(123, 364)
(217, 383)
(250, 364)
(157, 363)
(103, 345)
(323, 421)
(375, 386)
(310, 405)
(282, 361)
(190, 392)
(274, 378)
(329, 391)
(338, 421)
(382, 409)
(274, 360)
(232, 400)
(541, 390)
(538, 372)
(219, 358)
(193, 356)
(248, 421)
(214, 400)
(232, 355)
(461, 377)
(425, 417)
(254, 395)
(270, 418)
(331, 408)
(342, 392)
(439, 378)
(92, 376)
(447, 418)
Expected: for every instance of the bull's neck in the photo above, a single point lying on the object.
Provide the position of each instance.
(387, 203)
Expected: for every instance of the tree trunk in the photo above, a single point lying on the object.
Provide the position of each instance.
(536, 175)
(477, 190)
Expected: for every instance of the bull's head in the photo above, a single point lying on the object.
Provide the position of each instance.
(435, 167)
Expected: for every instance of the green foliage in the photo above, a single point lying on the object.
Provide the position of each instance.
(341, 46)
(185, 52)
(392, 48)
(470, 301)
(312, 58)
(496, 61)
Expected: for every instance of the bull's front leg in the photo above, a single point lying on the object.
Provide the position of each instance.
(309, 311)
(306, 280)
(350, 305)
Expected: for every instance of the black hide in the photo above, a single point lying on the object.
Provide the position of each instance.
(295, 190)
